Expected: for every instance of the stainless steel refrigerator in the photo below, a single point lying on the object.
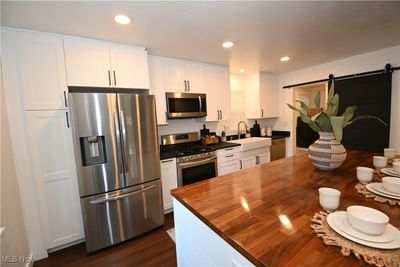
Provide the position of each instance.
(117, 155)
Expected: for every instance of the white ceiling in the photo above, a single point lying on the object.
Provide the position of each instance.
(309, 32)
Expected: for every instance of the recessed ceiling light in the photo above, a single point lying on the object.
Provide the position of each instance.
(285, 59)
(227, 44)
(122, 19)
(242, 70)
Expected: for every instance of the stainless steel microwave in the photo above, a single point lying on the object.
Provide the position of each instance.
(186, 105)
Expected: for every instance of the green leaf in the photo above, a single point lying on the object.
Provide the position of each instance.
(323, 122)
(349, 113)
(333, 106)
(317, 101)
(337, 126)
(331, 92)
(363, 117)
(306, 119)
(304, 106)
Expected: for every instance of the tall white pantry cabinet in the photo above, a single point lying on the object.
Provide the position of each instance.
(37, 104)
(35, 78)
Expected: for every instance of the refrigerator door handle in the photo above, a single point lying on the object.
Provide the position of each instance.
(118, 141)
(103, 200)
(124, 143)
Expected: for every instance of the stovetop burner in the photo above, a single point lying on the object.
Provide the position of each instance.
(186, 148)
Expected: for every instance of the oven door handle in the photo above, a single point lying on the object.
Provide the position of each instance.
(197, 162)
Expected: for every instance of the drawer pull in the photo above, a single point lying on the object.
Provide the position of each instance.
(168, 160)
(227, 149)
(229, 156)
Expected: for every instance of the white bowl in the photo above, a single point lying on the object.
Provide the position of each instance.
(365, 174)
(366, 220)
(389, 152)
(329, 198)
(391, 184)
(396, 166)
(380, 162)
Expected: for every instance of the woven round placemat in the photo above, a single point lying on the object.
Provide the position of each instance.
(372, 256)
(361, 188)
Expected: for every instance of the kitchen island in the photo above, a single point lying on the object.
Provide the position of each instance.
(261, 216)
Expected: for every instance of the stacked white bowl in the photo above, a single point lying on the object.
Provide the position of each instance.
(367, 220)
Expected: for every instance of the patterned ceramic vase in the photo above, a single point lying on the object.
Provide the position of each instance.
(327, 153)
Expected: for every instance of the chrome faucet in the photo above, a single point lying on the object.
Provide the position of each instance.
(245, 125)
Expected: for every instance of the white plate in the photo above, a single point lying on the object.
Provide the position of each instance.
(390, 171)
(371, 187)
(343, 224)
(379, 187)
(390, 245)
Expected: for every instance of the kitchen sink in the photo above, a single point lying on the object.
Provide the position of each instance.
(252, 143)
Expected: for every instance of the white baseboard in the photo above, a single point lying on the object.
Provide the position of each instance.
(66, 245)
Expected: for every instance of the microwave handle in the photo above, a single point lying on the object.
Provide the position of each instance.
(200, 107)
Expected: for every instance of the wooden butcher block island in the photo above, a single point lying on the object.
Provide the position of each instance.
(261, 216)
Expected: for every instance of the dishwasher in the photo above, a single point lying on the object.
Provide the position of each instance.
(278, 149)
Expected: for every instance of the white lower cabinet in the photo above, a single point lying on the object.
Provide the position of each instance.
(228, 160)
(54, 172)
(247, 162)
(169, 179)
(254, 157)
(198, 245)
(264, 158)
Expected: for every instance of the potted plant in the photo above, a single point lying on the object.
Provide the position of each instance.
(327, 153)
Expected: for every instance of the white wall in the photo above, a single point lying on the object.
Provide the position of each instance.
(14, 240)
(364, 62)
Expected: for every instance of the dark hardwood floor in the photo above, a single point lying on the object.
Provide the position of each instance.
(155, 248)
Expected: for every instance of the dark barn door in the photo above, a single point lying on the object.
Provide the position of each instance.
(372, 96)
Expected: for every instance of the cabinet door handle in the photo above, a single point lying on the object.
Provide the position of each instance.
(65, 99)
(221, 114)
(115, 78)
(167, 160)
(257, 160)
(188, 86)
(262, 113)
(185, 85)
(66, 116)
(241, 164)
(166, 117)
(217, 114)
(109, 78)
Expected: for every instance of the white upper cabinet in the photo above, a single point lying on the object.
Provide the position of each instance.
(262, 96)
(87, 63)
(91, 63)
(41, 71)
(183, 76)
(194, 77)
(157, 87)
(223, 92)
(175, 77)
(217, 87)
(130, 67)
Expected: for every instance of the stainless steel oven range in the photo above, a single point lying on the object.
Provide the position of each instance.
(196, 168)
(195, 162)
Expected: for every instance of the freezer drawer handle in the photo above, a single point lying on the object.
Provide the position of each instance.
(103, 200)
